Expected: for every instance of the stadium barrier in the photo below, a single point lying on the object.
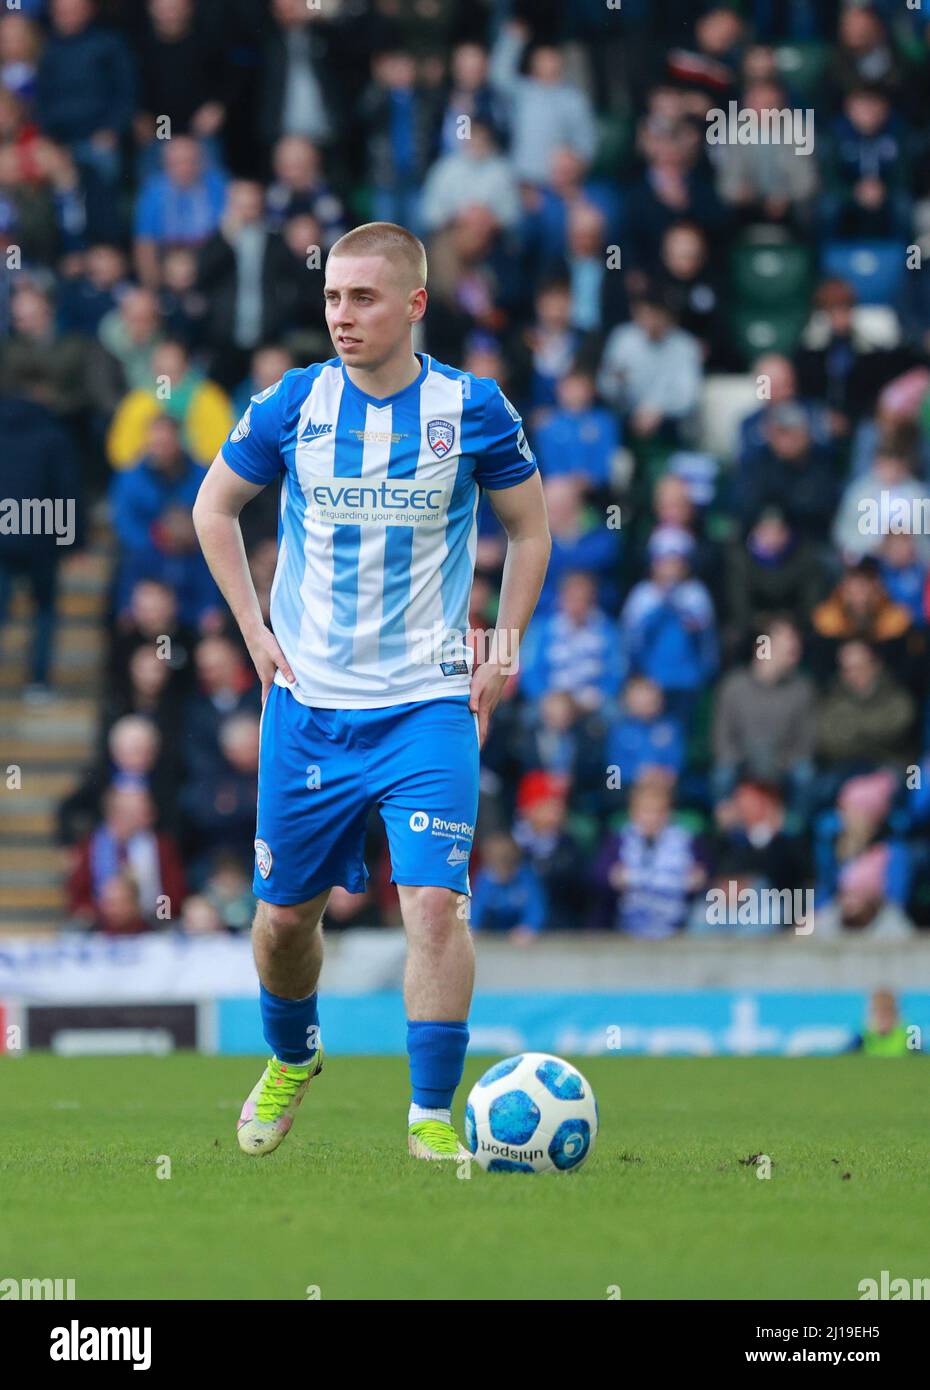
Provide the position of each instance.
(564, 994)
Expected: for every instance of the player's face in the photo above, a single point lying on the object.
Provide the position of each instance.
(368, 309)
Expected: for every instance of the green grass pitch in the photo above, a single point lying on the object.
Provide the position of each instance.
(664, 1208)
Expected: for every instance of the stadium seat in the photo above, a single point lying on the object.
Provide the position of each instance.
(874, 268)
(725, 402)
(756, 331)
(771, 276)
(801, 66)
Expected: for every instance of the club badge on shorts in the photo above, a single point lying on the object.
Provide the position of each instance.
(439, 436)
(262, 858)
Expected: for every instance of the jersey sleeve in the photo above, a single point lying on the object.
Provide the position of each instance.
(253, 447)
(505, 457)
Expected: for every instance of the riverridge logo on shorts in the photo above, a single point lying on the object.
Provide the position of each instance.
(262, 858)
(443, 829)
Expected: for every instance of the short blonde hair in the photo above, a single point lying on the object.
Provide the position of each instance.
(388, 239)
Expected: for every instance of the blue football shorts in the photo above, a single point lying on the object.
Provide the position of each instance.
(320, 772)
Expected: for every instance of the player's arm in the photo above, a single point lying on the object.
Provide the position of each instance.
(223, 494)
(521, 510)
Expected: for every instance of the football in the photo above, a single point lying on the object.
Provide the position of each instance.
(531, 1114)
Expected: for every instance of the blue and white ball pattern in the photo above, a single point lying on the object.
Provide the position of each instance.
(531, 1114)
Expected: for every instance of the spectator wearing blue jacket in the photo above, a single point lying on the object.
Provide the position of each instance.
(507, 895)
(151, 506)
(644, 737)
(668, 624)
(578, 437)
(85, 88)
(580, 541)
(576, 648)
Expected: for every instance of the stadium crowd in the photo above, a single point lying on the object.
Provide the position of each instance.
(721, 353)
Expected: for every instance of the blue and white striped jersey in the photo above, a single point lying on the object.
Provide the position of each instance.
(377, 527)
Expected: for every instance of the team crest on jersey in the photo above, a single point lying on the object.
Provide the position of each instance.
(262, 858)
(440, 436)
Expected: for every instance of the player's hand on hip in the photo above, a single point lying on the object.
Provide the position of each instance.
(487, 686)
(268, 659)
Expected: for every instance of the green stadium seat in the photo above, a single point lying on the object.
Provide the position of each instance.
(771, 276)
(802, 66)
(756, 331)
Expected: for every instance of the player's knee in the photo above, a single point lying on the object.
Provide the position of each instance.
(282, 921)
(436, 911)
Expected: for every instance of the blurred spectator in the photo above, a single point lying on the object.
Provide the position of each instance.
(578, 437)
(38, 355)
(888, 490)
(243, 273)
(754, 843)
(765, 715)
(668, 625)
(37, 449)
(552, 851)
(132, 757)
(470, 95)
(884, 1035)
(689, 285)
(773, 570)
(20, 46)
(858, 822)
(651, 370)
(218, 803)
(126, 844)
(859, 609)
(298, 187)
(181, 391)
(151, 621)
(578, 543)
(648, 872)
(507, 895)
(85, 90)
(575, 648)
(226, 688)
(866, 718)
(398, 117)
(475, 172)
(130, 333)
(846, 355)
(180, 72)
(180, 204)
(296, 86)
(867, 188)
(773, 181)
(790, 471)
(860, 909)
(151, 506)
(545, 112)
(643, 740)
(86, 298)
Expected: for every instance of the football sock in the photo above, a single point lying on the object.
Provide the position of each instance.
(416, 1113)
(287, 1025)
(437, 1060)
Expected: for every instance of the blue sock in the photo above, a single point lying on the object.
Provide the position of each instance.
(437, 1059)
(291, 1026)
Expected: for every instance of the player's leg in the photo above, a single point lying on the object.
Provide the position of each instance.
(287, 942)
(429, 802)
(438, 982)
(312, 805)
